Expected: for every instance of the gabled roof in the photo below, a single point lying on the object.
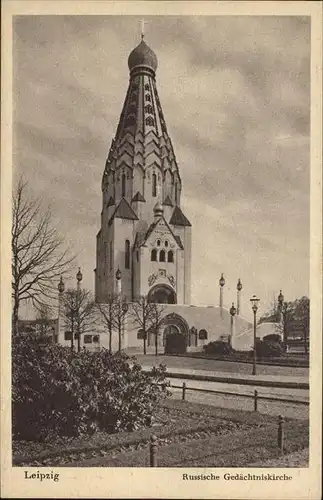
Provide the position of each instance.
(138, 197)
(179, 241)
(110, 202)
(168, 201)
(178, 218)
(140, 240)
(123, 211)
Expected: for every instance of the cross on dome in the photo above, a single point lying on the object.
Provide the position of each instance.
(142, 25)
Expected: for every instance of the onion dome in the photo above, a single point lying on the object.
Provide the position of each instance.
(158, 208)
(142, 55)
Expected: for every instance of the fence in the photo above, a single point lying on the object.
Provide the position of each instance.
(153, 446)
(255, 396)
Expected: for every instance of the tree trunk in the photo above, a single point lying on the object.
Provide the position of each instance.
(15, 325)
(78, 342)
(156, 343)
(145, 342)
(119, 343)
(110, 340)
(72, 338)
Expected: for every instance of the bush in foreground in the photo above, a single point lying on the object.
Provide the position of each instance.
(60, 392)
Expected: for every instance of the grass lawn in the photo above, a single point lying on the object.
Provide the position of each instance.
(189, 435)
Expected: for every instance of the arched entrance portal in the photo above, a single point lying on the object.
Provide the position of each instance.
(175, 334)
(162, 294)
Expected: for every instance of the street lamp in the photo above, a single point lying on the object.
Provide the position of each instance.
(239, 288)
(221, 283)
(79, 277)
(280, 300)
(233, 312)
(61, 285)
(281, 308)
(254, 301)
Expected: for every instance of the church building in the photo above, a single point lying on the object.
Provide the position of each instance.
(145, 238)
(144, 232)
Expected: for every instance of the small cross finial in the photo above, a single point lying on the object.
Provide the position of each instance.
(142, 22)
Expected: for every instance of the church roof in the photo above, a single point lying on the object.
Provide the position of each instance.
(123, 211)
(141, 138)
(143, 237)
(178, 218)
(138, 197)
(110, 202)
(168, 202)
(142, 55)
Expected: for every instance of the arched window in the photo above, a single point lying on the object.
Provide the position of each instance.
(149, 109)
(154, 185)
(162, 256)
(158, 243)
(147, 97)
(153, 255)
(170, 256)
(123, 185)
(166, 243)
(150, 121)
(203, 334)
(127, 255)
(140, 334)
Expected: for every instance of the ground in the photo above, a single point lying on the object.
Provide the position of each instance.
(188, 434)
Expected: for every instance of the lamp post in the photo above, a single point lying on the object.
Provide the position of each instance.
(239, 288)
(254, 301)
(221, 283)
(281, 315)
(79, 277)
(233, 312)
(61, 288)
(125, 308)
(118, 279)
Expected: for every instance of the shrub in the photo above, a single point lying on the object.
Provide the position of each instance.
(217, 347)
(60, 392)
(265, 349)
(272, 337)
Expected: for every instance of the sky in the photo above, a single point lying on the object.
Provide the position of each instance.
(235, 91)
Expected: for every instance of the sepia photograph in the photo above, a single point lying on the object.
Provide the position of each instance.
(160, 245)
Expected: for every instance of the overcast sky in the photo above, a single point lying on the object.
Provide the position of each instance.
(236, 98)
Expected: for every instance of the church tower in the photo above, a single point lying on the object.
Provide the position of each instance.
(144, 232)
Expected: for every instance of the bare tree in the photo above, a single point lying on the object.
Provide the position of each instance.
(303, 317)
(147, 316)
(39, 257)
(108, 312)
(79, 311)
(44, 315)
(289, 317)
